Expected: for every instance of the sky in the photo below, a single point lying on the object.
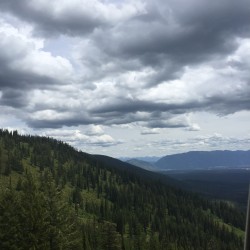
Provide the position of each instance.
(127, 78)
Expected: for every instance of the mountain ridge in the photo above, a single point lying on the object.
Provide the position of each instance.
(142, 164)
(205, 159)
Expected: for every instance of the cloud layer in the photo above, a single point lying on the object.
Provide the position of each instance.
(148, 64)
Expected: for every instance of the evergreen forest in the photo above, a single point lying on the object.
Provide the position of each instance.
(53, 196)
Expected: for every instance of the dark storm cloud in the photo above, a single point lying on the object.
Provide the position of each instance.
(146, 113)
(17, 86)
(13, 98)
(132, 106)
(173, 34)
(223, 15)
(224, 105)
(166, 124)
(160, 114)
(123, 106)
(51, 18)
(149, 114)
(24, 80)
(73, 120)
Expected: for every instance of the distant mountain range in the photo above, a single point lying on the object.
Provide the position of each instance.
(142, 164)
(141, 171)
(151, 159)
(197, 160)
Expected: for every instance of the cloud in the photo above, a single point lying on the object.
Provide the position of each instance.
(171, 122)
(79, 139)
(74, 18)
(95, 130)
(13, 98)
(25, 67)
(153, 131)
(104, 141)
(55, 119)
(194, 127)
(149, 63)
(213, 142)
(168, 36)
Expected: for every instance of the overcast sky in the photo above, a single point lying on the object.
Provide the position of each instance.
(127, 77)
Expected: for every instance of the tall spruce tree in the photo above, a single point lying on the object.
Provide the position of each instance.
(62, 227)
(32, 215)
(10, 227)
(37, 218)
(110, 238)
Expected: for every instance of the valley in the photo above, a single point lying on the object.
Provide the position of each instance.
(223, 183)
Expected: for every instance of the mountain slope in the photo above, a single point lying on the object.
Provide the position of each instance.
(113, 163)
(205, 159)
(97, 202)
(141, 164)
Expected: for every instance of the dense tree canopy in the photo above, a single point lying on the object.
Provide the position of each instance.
(54, 197)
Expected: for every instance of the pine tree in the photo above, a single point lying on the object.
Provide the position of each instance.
(62, 223)
(10, 228)
(32, 215)
(111, 239)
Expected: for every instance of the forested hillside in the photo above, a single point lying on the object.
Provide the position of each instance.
(55, 197)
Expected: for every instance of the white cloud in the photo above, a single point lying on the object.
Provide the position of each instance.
(204, 142)
(44, 64)
(82, 139)
(194, 127)
(95, 130)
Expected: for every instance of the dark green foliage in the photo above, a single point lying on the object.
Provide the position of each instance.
(10, 231)
(15, 162)
(61, 222)
(110, 238)
(73, 200)
(32, 215)
(37, 218)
